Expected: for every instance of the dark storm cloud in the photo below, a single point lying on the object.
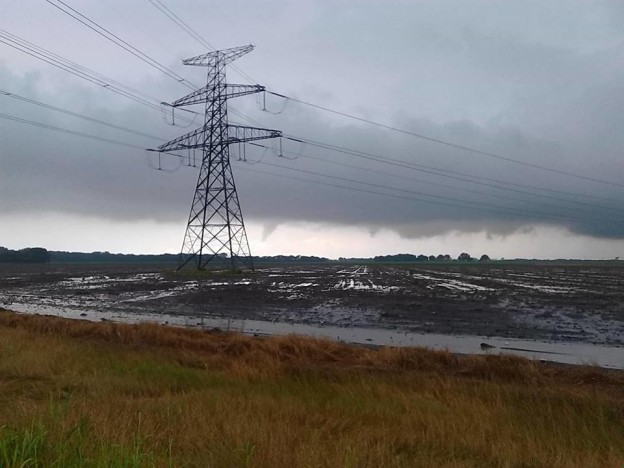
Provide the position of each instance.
(502, 82)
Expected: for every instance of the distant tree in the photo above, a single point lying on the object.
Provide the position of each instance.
(484, 258)
(464, 257)
(395, 258)
(432, 258)
(33, 255)
(422, 258)
(447, 258)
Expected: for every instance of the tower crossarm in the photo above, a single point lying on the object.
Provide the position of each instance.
(194, 139)
(236, 134)
(206, 93)
(220, 57)
(241, 134)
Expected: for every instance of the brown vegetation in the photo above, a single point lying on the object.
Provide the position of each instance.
(107, 394)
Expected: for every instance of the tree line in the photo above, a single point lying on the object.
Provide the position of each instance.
(30, 255)
(41, 255)
(463, 257)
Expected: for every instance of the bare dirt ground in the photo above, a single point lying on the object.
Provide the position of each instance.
(582, 303)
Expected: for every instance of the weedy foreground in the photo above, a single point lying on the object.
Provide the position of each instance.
(77, 393)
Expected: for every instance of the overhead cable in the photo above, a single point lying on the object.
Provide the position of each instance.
(102, 31)
(452, 144)
(65, 130)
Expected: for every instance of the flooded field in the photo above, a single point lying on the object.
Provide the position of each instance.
(508, 306)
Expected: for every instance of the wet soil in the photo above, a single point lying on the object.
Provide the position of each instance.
(581, 303)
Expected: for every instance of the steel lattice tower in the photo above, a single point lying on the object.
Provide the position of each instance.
(215, 229)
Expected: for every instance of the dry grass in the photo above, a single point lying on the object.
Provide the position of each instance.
(76, 393)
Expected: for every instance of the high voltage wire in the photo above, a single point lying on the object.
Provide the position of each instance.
(463, 189)
(48, 106)
(75, 114)
(451, 144)
(102, 31)
(65, 130)
(141, 55)
(355, 189)
(464, 204)
(126, 46)
(347, 115)
(328, 161)
(346, 179)
(68, 66)
(177, 20)
(66, 62)
(98, 79)
(402, 197)
(33, 53)
(191, 32)
(82, 72)
(437, 171)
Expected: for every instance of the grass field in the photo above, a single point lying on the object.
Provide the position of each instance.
(77, 393)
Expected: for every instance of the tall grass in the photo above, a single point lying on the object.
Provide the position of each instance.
(34, 447)
(100, 394)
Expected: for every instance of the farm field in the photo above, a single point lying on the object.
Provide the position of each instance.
(581, 303)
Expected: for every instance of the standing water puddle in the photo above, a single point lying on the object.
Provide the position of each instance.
(568, 353)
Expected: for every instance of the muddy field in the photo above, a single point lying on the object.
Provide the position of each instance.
(580, 303)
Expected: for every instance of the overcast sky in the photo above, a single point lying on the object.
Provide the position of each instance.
(534, 81)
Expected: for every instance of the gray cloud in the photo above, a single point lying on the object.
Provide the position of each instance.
(504, 80)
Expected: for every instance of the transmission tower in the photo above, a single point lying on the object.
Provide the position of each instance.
(215, 231)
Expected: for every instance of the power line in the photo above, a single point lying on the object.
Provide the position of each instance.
(484, 207)
(84, 73)
(465, 203)
(102, 31)
(75, 114)
(67, 131)
(354, 189)
(451, 144)
(243, 116)
(110, 36)
(455, 175)
(23, 42)
(66, 65)
(463, 189)
(93, 80)
(335, 148)
(177, 20)
(191, 32)
(328, 161)
(384, 194)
